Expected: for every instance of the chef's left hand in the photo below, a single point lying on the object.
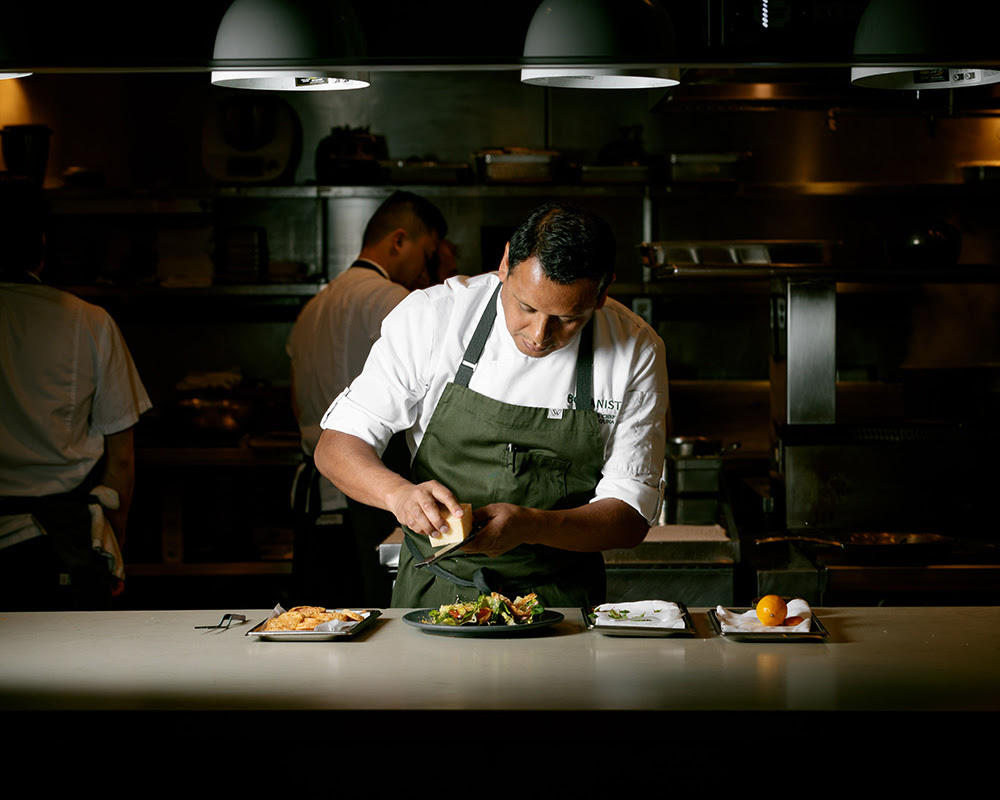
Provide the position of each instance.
(503, 527)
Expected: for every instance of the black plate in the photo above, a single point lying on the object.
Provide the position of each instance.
(638, 629)
(421, 619)
(817, 633)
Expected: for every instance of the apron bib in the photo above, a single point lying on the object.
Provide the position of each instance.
(486, 451)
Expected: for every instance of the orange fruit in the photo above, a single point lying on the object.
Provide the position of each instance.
(792, 620)
(771, 610)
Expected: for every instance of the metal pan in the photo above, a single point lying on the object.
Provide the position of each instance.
(683, 446)
(876, 547)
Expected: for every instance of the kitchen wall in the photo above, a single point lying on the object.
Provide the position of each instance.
(143, 133)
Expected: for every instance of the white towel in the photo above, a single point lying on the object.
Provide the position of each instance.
(748, 622)
(646, 613)
(102, 536)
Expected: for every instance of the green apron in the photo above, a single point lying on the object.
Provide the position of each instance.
(486, 451)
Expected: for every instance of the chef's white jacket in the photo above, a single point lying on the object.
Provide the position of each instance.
(422, 344)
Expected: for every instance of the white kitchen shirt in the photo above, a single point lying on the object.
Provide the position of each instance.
(329, 344)
(67, 380)
(422, 344)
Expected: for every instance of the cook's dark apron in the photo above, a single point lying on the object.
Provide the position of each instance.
(486, 451)
(31, 571)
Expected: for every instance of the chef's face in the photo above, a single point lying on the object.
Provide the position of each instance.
(416, 255)
(543, 316)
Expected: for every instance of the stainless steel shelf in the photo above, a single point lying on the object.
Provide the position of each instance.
(962, 273)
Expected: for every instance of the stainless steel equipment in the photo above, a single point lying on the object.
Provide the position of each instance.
(832, 475)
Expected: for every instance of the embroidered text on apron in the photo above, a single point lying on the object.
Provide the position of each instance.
(486, 451)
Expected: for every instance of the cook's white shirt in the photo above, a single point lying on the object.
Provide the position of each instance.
(422, 344)
(68, 381)
(329, 345)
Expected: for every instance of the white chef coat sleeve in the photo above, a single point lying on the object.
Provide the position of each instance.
(119, 396)
(635, 449)
(384, 399)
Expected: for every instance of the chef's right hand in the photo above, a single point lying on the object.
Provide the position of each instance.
(423, 507)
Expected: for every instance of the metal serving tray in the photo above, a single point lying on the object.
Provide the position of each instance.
(817, 634)
(257, 631)
(638, 629)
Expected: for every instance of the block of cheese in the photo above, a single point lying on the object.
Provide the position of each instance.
(460, 527)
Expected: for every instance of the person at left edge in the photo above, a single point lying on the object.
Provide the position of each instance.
(558, 463)
(70, 395)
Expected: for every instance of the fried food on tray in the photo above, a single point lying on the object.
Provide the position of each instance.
(306, 618)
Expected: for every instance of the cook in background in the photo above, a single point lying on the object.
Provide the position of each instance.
(70, 396)
(403, 248)
(526, 392)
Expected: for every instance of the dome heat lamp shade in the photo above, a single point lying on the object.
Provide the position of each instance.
(260, 31)
(923, 31)
(606, 30)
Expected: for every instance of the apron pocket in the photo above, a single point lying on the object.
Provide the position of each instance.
(531, 479)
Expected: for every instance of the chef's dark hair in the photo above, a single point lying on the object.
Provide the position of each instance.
(571, 244)
(402, 210)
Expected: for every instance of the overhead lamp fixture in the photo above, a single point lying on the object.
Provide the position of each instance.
(612, 32)
(259, 31)
(8, 75)
(923, 31)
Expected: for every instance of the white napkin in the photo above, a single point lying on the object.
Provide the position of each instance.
(335, 625)
(102, 536)
(651, 613)
(732, 622)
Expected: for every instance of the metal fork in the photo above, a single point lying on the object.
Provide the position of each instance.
(225, 622)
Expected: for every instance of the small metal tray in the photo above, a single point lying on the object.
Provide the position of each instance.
(817, 634)
(257, 631)
(638, 629)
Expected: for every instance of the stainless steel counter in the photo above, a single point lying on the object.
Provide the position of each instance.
(877, 659)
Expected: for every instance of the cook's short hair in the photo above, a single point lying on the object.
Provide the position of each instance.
(411, 212)
(570, 243)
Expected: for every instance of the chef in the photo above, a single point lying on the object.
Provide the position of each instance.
(527, 393)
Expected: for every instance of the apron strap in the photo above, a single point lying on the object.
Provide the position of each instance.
(367, 265)
(584, 359)
(305, 492)
(585, 368)
(478, 342)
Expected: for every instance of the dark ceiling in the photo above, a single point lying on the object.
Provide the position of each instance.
(180, 34)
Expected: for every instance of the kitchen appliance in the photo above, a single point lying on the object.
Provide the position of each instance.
(520, 165)
(350, 156)
(662, 258)
(923, 243)
(426, 171)
(707, 167)
(831, 474)
(694, 465)
(252, 139)
(865, 510)
(26, 150)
